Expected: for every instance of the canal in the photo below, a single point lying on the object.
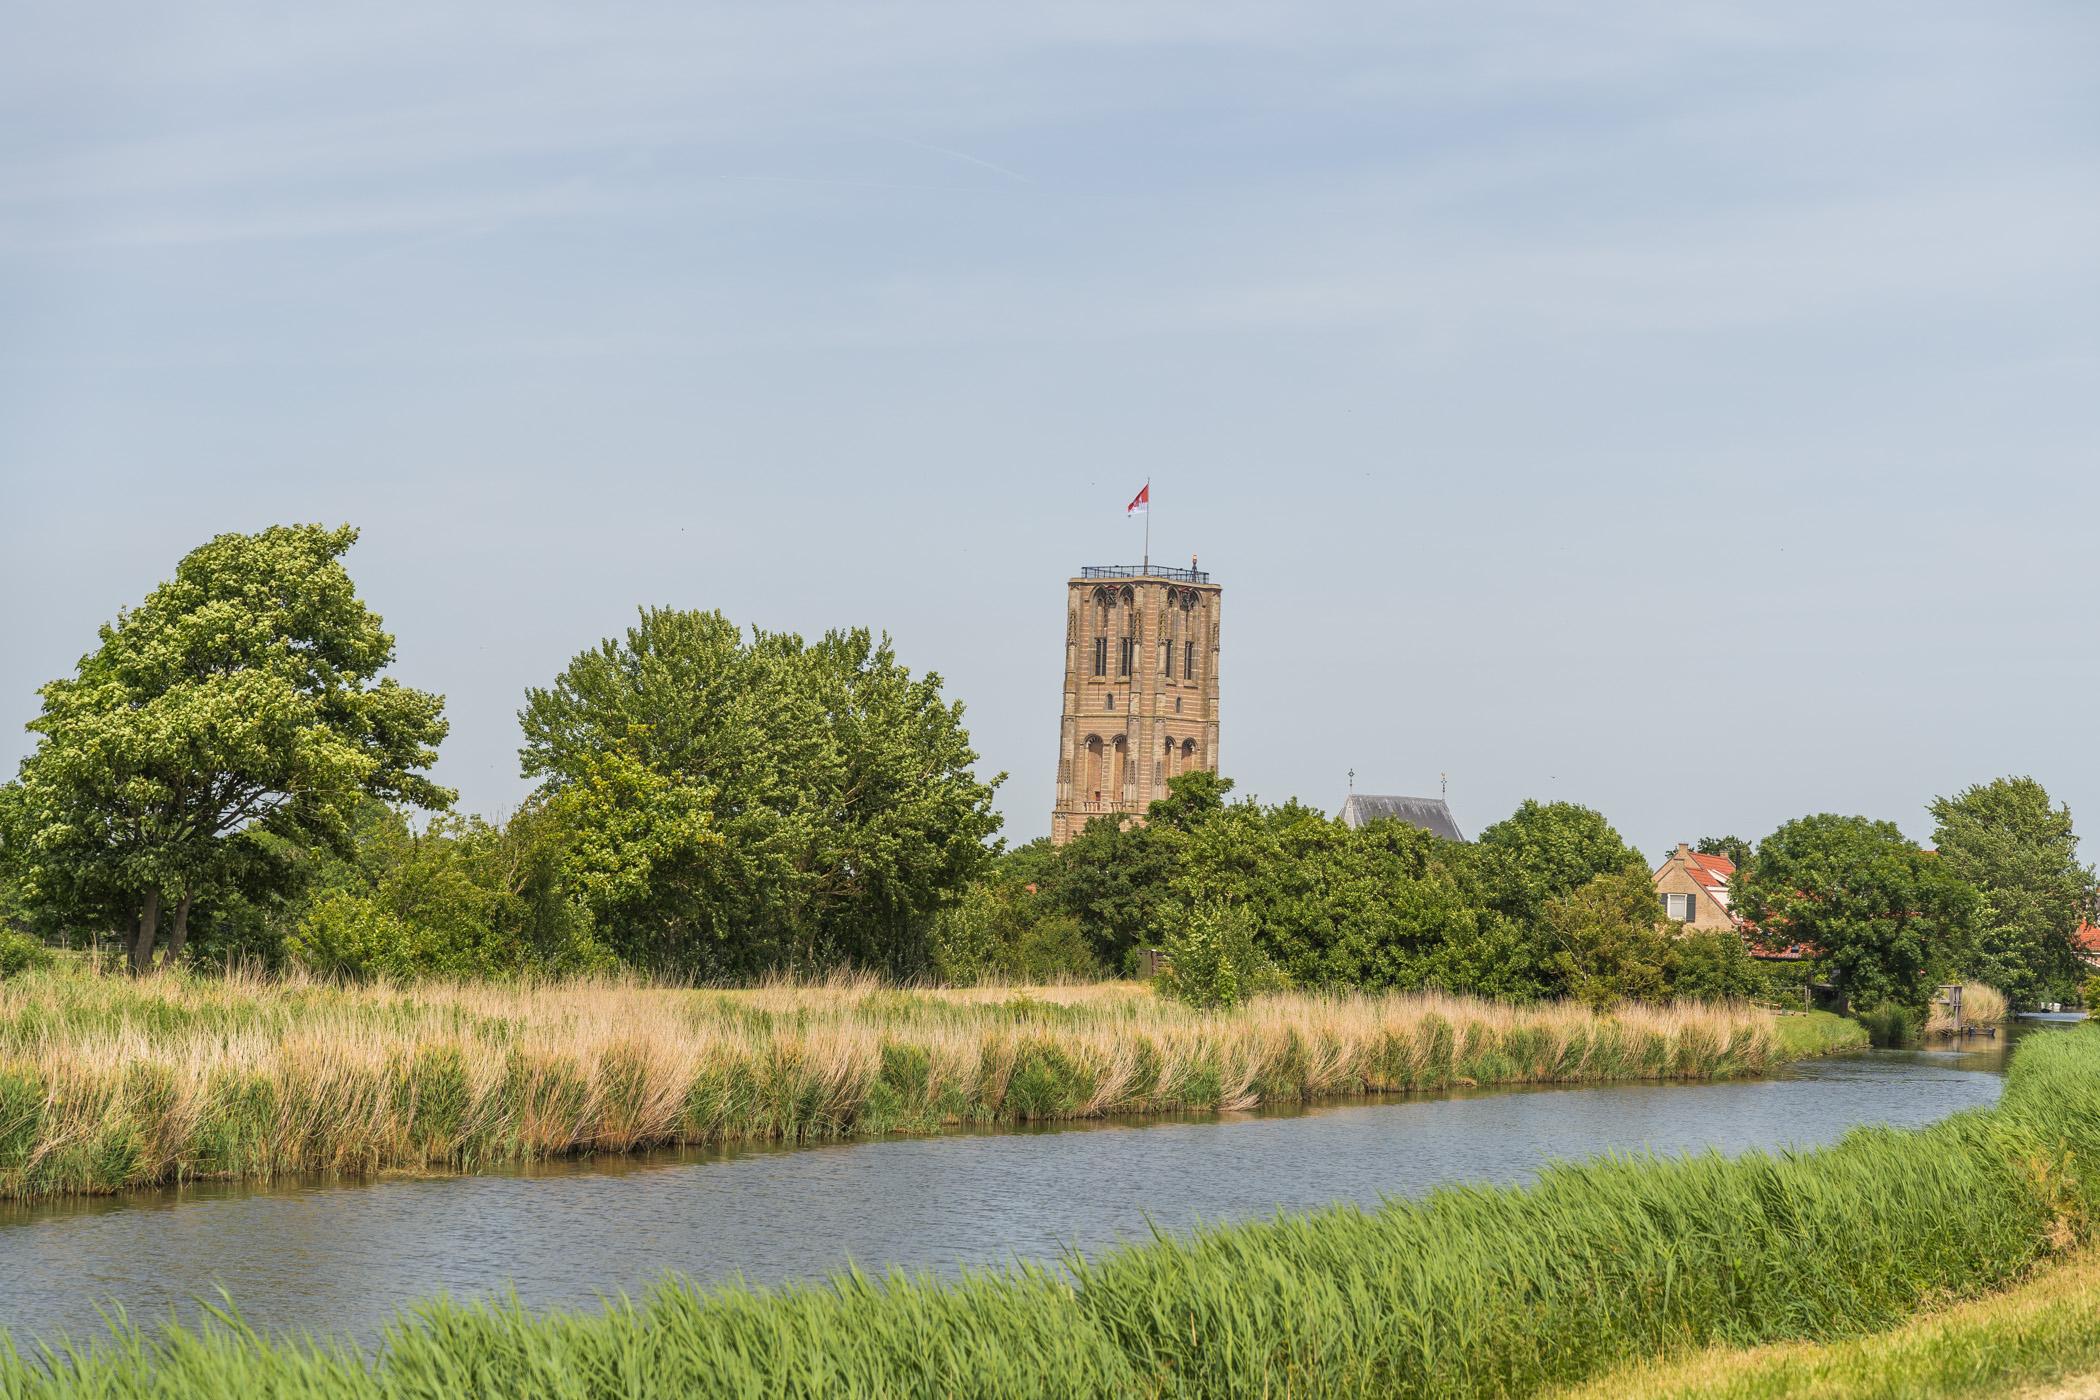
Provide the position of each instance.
(340, 1257)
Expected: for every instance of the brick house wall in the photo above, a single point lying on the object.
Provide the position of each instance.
(1687, 874)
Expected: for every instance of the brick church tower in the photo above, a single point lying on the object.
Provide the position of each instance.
(1141, 689)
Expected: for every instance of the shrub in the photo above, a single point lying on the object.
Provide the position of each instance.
(21, 953)
(1211, 959)
(1052, 949)
(2089, 992)
(963, 940)
(1608, 944)
(1715, 966)
(1889, 1024)
(349, 935)
(996, 933)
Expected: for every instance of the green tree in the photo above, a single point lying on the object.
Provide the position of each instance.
(637, 851)
(838, 791)
(1608, 939)
(15, 908)
(1882, 917)
(2019, 851)
(1330, 906)
(461, 898)
(1115, 878)
(1716, 966)
(1545, 850)
(242, 699)
(1213, 959)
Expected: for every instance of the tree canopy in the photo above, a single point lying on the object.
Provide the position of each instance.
(2019, 851)
(1551, 849)
(242, 700)
(1883, 917)
(810, 803)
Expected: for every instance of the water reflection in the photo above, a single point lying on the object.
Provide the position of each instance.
(344, 1257)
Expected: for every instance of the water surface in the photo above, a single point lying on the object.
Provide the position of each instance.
(343, 1257)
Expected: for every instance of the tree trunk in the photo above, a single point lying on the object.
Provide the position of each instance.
(148, 933)
(180, 934)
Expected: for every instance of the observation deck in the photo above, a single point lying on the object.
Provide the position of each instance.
(1165, 571)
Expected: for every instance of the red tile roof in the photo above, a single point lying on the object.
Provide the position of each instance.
(2087, 938)
(1713, 871)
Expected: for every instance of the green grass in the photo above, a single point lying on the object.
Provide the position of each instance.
(1471, 1292)
(2038, 1338)
(1805, 1035)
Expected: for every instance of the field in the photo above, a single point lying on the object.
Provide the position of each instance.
(108, 1083)
(1474, 1292)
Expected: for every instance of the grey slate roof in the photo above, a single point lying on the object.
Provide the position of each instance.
(1432, 814)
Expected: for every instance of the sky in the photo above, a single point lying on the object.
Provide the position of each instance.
(1686, 409)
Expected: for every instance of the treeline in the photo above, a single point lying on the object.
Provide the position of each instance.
(231, 775)
(1551, 902)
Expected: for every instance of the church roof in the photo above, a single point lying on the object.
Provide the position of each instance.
(1431, 814)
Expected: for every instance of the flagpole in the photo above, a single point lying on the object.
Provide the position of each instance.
(1146, 567)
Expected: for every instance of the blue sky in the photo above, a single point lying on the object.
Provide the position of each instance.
(1688, 409)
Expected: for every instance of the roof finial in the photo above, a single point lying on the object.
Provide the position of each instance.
(1352, 780)
(1443, 785)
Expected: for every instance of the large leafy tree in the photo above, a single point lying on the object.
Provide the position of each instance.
(1608, 945)
(1330, 906)
(2019, 851)
(1882, 917)
(1545, 850)
(776, 803)
(242, 700)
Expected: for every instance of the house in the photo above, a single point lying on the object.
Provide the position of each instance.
(1694, 889)
(2087, 942)
(1431, 814)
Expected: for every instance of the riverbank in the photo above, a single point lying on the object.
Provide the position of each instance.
(108, 1084)
(1469, 1292)
(2039, 1340)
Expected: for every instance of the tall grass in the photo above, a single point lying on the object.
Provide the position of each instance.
(1469, 1293)
(1980, 1006)
(2038, 1339)
(107, 1083)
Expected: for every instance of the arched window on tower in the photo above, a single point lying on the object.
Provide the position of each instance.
(1169, 633)
(1104, 627)
(1167, 760)
(1188, 755)
(1091, 787)
(1126, 646)
(1120, 778)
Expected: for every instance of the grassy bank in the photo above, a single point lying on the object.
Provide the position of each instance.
(1474, 1292)
(107, 1083)
(2038, 1339)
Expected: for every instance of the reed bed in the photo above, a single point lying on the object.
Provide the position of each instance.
(108, 1083)
(1980, 1006)
(1479, 1292)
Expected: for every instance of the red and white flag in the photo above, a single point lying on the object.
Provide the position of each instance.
(1141, 503)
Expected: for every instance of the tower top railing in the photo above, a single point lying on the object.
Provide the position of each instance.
(1144, 571)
